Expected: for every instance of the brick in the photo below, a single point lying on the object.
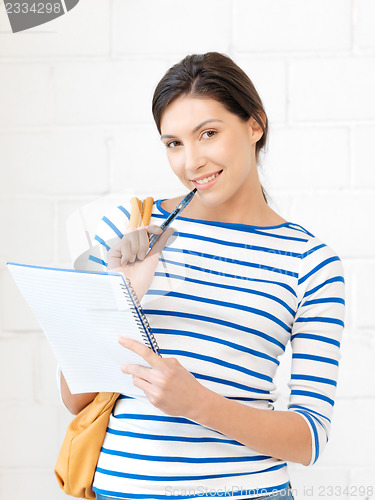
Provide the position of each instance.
(71, 238)
(46, 390)
(55, 162)
(170, 28)
(16, 368)
(33, 484)
(363, 301)
(363, 173)
(356, 365)
(350, 293)
(280, 202)
(78, 221)
(107, 91)
(136, 167)
(300, 157)
(4, 22)
(26, 96)
(364, 35)
(273, 96)
(64, 419)
(16, 316)
(352, 435)
(341, 94)
(85, 31)
(26, 229)
(20, 435)
(292, 25)
(341, 220)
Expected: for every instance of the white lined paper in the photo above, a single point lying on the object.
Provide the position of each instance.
(83, 314)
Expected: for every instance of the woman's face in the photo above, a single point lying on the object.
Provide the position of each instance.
(204, 139)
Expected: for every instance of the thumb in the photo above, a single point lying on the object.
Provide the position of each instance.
(161, 241)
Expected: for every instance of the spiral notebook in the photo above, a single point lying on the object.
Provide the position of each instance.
(82, 314)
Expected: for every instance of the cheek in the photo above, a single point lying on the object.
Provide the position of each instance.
(222, 153)
(175, 161)
(235, 152)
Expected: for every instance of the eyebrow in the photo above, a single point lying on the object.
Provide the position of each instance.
(166, 136)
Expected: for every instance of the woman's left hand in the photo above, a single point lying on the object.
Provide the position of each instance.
(167, 384)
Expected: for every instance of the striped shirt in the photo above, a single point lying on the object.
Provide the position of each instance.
(225, 300)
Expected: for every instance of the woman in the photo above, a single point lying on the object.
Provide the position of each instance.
(223, 299)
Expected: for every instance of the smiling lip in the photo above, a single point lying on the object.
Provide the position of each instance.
(205, 176)
(209, 184)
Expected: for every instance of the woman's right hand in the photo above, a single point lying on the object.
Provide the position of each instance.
(129, 256)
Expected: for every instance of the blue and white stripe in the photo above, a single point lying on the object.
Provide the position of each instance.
(225, 301)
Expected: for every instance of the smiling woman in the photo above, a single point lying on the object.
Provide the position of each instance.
(224, 299)
(211, 91)
(218, 157)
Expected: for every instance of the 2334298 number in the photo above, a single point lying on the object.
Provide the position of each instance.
(34, 8)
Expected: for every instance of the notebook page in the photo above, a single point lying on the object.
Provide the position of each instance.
(82, 315)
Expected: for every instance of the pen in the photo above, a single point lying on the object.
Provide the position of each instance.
(183, 203)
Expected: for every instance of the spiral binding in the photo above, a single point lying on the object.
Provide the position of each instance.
(140, 317)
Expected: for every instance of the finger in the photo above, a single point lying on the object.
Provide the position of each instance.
(126, 252)
(144, 239)
(161, 241)
(114, 258)
(143, 243)
(137, 243)
(138, 371)
(130, 245)
(117, 254)
(142, 350)
(133, 239)
(145, 386)
(152, 228)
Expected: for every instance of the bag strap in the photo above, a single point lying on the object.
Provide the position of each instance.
(140, 214)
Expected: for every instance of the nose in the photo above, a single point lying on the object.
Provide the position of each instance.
(194, 160)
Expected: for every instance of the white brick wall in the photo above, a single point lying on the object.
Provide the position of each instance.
(292, 26)
(76, 124)
(363, 156)
(269, 75)
(69, 161)
(350, 77)
(177, 28)
(364, 17)
(26, 228)
(26, 96)
(105, 91)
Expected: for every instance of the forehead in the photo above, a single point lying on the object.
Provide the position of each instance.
(190, 111)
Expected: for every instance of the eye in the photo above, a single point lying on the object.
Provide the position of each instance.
(212, 132)
(169, 144)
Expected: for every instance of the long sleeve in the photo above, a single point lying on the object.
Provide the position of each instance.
(315, 340)
(109, 232)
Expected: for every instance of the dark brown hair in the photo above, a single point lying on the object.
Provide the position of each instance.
(212, 75)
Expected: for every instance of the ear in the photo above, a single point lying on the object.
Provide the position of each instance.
(256, 130)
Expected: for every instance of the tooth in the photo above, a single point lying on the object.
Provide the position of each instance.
(207, 179)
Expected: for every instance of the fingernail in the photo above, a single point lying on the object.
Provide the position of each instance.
(123, 340)
(142, 256)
